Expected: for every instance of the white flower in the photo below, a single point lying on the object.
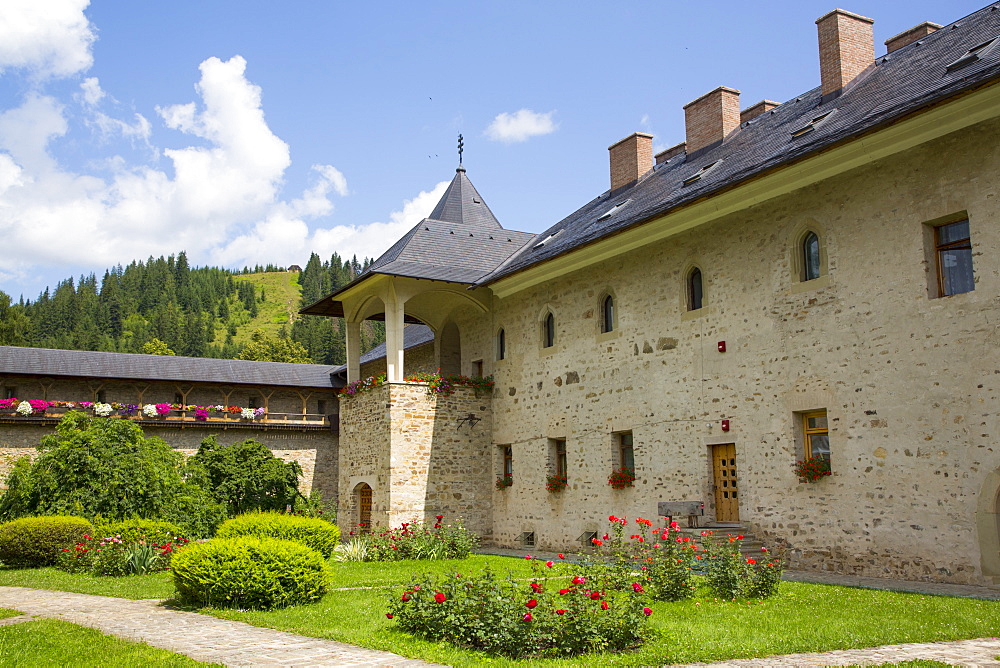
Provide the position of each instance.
(149, 410)
(246, 413)
(103, 410)
(24, 408)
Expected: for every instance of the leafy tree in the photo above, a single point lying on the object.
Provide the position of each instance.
(247, 476)
(15, 326)
(156, 347)
(264, 348)
(106, 467)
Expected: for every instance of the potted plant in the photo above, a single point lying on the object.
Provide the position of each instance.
(503, 482)
(812, 469)
(556, 482)
(621, 477)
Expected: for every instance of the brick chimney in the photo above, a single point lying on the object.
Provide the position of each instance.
(668, 153)
(910, 36)
(846, 49)
(755, 110)
(711, 117)
(631, 158)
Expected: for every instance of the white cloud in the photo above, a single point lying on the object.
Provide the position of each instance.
(520, 126)
(92, 93)
(46, 38)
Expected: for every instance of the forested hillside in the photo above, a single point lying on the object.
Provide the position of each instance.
(165, 306)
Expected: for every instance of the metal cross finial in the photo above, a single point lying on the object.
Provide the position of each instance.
(460, 145)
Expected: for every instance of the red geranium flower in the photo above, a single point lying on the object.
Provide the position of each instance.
(440, 598)
(531, 604)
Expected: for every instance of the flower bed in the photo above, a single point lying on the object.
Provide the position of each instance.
(107, 409)
(413, 540)
(435, 382)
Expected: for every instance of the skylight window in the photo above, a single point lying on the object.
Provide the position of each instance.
(811, 125)
(972, 55)
(613, 210)
(701, 172)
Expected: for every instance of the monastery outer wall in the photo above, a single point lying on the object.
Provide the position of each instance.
(911, 384)
(420, 462)
(315, 449)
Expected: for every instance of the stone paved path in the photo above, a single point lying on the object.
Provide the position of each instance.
(200, 637)
(232, 643)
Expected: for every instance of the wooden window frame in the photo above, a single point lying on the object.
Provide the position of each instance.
(695, 298)
(940, 248)
(626, 449)
(559, 456)
(807, 432)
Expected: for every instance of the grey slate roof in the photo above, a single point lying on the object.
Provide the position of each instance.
(897, 84)
(413, 336)
(461, 203)
(126, 366)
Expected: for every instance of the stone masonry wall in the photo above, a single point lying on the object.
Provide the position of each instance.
(910, 383)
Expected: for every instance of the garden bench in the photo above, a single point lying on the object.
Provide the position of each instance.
(671, 509)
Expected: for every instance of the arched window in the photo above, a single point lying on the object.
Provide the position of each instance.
(501, 345)
(608, 314)
(810, 257)
(549, 331)
(694, 289)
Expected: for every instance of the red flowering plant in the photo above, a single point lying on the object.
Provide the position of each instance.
(812, 469)
(731, 574)
(505, 481)
(622, 477)
(659, 560)
(418, 540)
(548, 616)
(115, 556)
(556, 482)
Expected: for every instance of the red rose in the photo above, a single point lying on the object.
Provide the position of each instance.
(561, 556)
(531, 604)
(528, 557)
(578, 580)
(440, 598)
(564, 591)
(439, 517)
(406, 597)
(535, 587)
(752, 561)
(549, 564)
(527, 617)
(636, 587)
(595, 596)
(647, 611)
(597, 541)
(560, 611)
(604, 605)
(389, 615)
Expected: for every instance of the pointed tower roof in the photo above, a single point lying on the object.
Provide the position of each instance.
(462, 203)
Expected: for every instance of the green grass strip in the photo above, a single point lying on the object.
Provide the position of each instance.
(50, 642)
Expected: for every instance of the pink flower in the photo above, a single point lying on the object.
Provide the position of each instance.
(578, 580)
(527, 617)
(647, 611)
(763, 549)
(440, 598)
(531, 604)
(636, 587)
(549, 564)
(528, 557)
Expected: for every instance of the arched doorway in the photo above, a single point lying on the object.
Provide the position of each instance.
(988, 526)
(364, 505)
(450, 347)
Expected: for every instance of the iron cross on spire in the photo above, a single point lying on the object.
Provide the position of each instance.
(461, 144)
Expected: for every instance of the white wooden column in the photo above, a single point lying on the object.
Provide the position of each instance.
(393, 336)
(353, 339)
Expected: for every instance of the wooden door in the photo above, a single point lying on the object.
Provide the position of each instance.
(365, 508)
(727, 503)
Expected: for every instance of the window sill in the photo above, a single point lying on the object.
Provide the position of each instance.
(697, 313)
(608, 336)
(823, 281)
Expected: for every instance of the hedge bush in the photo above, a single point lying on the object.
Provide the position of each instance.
(318, 534)
(37, 541)
(135, 530)
(250, 573)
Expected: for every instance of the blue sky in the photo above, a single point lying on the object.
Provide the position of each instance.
(257, 132)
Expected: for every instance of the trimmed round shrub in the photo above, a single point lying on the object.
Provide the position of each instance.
(318, 534)
(37, 541)
(250, 573)
(132, 531)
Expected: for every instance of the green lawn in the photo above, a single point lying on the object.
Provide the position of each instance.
(802, 618)
(48, 642)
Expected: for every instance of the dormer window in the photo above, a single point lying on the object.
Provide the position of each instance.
(701, 172)
(545, 240)
(811, 125)
(972, 55)
(613, 210)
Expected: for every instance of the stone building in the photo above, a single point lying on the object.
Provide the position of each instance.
(299, 403)
(807, 280)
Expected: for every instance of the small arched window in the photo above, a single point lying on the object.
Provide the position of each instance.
(501, 345)
(694, 289)
(608, 314)
(549, 331)
(810, 257)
